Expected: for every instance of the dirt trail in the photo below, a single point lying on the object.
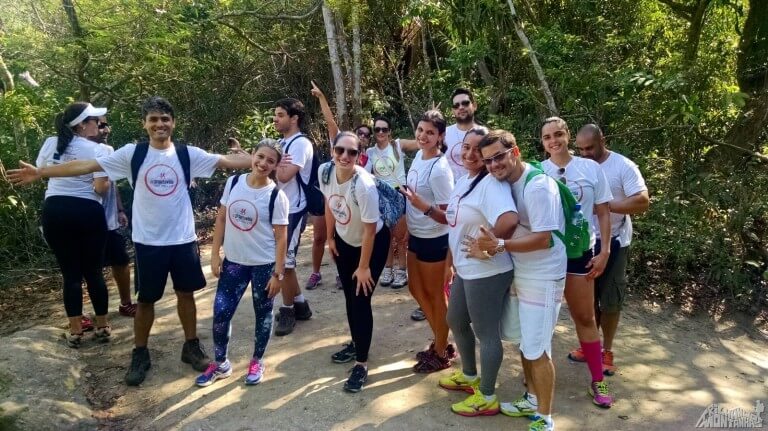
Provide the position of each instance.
(671, 368)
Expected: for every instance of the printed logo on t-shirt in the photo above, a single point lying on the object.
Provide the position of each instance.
(577, 189)
(384, 166)
(452, 212)
(412, 179)
(161, 180)
(243, 215)
(455, 154)
(340, 209)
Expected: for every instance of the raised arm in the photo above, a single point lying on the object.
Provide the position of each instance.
(239, 160)
(29, 173)
(333, 127)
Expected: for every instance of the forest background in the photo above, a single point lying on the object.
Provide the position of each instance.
(679, 86)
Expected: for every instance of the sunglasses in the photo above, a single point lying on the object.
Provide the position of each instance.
(463, 103)
(363, 134)
(498, 158)
(350, 151)
(381, 129)
(103, 126)
(561, 172)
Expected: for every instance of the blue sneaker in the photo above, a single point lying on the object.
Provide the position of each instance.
(255, 372)
(213, 372)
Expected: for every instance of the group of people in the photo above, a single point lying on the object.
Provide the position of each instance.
(478, 243)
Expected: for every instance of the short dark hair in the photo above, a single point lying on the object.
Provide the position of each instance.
(434, 117)
(462, 90)
(507, 139)
(384, 119)
(157, 104)
(293, 107)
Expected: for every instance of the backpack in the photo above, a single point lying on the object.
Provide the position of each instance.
(272, 196)
(391, 202)
(182, 152)
(311, 190)
(576, 236)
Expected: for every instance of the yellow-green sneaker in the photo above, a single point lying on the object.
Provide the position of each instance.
(539, 424)
(458, 382)
(476, 405)
(521, 407)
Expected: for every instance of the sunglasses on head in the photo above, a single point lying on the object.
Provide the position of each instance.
(350, 151)
(463, 103)
(498, 158)
(381, 129)
(103, 125)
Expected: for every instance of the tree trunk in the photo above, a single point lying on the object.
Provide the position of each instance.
(544, 87)
(698, 17)
(82, 55)
(425, 60)
(338, 78)
(19, 131)
(357, 93)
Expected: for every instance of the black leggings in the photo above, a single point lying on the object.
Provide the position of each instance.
(359, 314)
(76, 231)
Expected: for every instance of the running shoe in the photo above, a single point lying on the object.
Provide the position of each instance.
(577, 355)
(539, 424)
(74, 340)
(418, 315)
(432, 363)
(476, 405)
(425, 353)
(140, 363)
(521, 407)
(302, 310)
(608, 368)
(286, 322)
(315, 280)
(127, 310)
(400, 279)
(450, 352)
(193, 353)
(357, 379)
(214, 372)
(458, 382)
(347, 354)
(255, 372)
(386, 277)
(600, 396)
(103, 334)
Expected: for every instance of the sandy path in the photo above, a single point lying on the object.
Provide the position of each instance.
(671, 368)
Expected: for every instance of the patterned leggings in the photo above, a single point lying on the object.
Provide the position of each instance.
(232, 284)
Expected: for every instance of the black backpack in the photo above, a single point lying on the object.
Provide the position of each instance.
(314, 197)
(182, 152)
(272, 196)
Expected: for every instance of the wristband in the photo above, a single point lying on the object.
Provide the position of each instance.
(429, 210)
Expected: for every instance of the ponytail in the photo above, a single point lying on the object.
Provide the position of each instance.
(64, 132)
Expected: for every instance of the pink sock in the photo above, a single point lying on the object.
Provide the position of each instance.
(594, 357)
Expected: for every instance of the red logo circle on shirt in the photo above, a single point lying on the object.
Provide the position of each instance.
(161, 180)
(452, 211)
(455, 154)
(243, 215)
(340, 209)
(412, 179)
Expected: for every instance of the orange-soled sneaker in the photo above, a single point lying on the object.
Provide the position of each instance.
(608, 368)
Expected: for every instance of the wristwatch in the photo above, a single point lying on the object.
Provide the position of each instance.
(501, 247)
(279, 276)
(429, 210)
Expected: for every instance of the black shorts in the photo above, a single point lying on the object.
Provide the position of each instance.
(429, 249)
(578, 266)
(115, 253)
(155, 262)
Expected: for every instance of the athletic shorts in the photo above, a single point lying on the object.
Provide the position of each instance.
(611, 286)
(115, 253)
(155, 262)
(297, 222)
(539, 306)
(578, 266)
(429, 249)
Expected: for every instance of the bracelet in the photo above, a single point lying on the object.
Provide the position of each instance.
(429, 211)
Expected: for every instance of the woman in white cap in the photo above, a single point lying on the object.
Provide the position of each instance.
(73, 219)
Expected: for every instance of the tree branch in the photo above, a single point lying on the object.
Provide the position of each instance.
(247, 39)
(685, 11)
(258, 15)
(713, 141)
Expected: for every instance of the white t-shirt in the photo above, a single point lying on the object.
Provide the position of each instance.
(385, 165)
(301, 150)
(162, 211)
(624, 179)
(483, 206)
(454, 137)
(80, 186)
(351, 212)
(433, 180)
(248, 235)
(540, 210)
(110, 200)
(586, 180)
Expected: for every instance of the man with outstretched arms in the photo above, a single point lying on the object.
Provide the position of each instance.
(630, 196)
(162, 222)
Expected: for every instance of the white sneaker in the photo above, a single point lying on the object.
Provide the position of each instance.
(386, 277)
(521, 407)
(401, 279)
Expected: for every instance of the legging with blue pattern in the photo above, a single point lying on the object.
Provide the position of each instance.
(233, 281)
